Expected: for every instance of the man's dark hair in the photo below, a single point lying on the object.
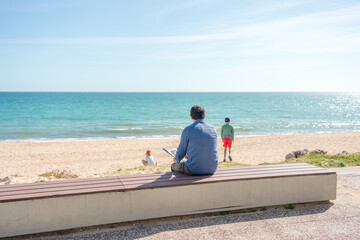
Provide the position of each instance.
(197, 112)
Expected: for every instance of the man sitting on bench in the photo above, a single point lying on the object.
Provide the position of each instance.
(198, 145)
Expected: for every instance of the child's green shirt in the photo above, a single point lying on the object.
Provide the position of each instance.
(227, 131)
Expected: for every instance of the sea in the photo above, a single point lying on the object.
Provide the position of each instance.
(70, 116)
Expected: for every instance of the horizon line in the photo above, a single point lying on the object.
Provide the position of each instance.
(357, 91)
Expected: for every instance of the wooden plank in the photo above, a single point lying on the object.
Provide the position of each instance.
(56, 182)
(173, 179)
(214, 177)
(134, 186)
(220, 170)
(61, 184)
(63, 188)
(235, 171)
(60, 193)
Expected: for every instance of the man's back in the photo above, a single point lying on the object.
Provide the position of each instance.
(199, 142)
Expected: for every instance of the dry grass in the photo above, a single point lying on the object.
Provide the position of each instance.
(162, 168)
(231, 164)
(64, 174)
(142, 170)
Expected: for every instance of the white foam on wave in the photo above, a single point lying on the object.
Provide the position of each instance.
(123, 129)
(152, 137)
(89, 139)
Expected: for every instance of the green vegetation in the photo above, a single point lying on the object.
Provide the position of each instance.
(325, 160)
(64, 174)
(251, 210)
(224, 213)
(328, 160)
(263, 209)
(289, 207)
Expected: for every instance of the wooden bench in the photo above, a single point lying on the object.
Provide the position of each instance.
(57, 205)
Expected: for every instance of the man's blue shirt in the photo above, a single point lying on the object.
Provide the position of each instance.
(199, 142)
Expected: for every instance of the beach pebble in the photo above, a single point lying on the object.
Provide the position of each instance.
(7, 178)
(289, 156)
(318, 151)
(343, 153)
(299, 153)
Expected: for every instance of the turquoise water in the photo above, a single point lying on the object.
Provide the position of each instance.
(88, 116)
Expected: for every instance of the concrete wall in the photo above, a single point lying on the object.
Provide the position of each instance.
(50, 214)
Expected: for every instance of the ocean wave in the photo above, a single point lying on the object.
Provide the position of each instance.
(122, 129)
(90, 139)
(26, 131)
(145, 130)
(123, 124)
(241, 129)
(318, 125)
(54, 139)
(153, 137)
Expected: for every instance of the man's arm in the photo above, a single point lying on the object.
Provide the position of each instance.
(182, 148)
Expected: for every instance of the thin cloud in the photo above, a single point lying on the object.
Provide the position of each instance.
(332, 31)
(267, 28)
(282, 6)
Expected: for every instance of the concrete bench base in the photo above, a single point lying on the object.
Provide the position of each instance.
(65, 212)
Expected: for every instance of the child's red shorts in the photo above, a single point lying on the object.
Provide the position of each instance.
(227, 142)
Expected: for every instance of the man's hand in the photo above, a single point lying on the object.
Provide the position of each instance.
(174, 160)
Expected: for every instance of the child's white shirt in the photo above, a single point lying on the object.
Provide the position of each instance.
(149, 160)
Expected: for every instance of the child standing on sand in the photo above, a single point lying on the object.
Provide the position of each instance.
(227, 136)
(149, 159)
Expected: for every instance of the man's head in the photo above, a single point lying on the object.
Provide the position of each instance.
(197, 112)
(227, 120)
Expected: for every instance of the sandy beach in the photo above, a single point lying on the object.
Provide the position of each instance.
(335, 219)
(27, 160)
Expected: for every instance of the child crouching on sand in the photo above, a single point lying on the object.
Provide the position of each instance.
(149, 159)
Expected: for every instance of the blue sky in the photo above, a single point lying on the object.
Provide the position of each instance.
(187, 45)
